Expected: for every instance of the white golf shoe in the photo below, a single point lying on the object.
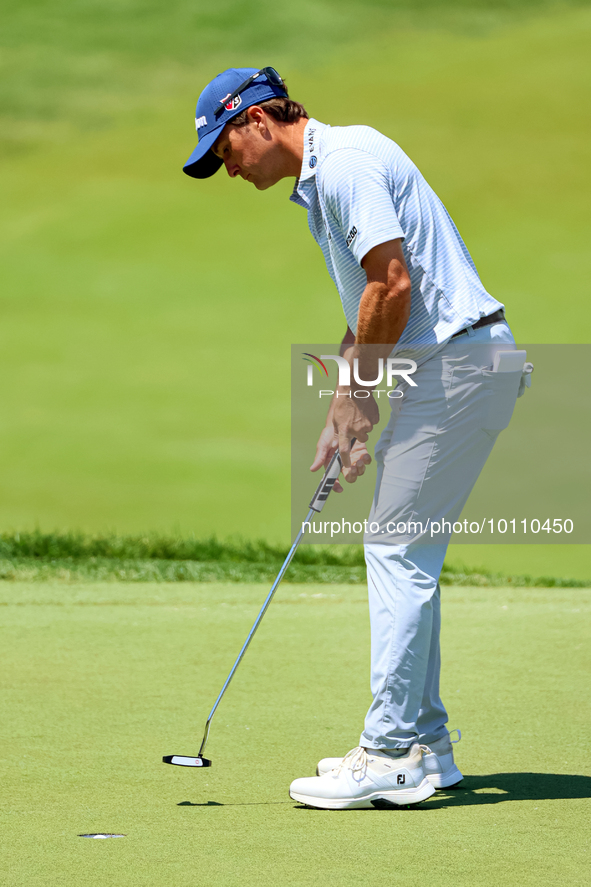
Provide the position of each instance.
(366, 778)
(438, 761)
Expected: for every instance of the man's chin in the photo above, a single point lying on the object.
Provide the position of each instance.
(260, 183)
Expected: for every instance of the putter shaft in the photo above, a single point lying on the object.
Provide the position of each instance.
(316, 505)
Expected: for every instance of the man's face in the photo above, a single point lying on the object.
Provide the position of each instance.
(252, 152)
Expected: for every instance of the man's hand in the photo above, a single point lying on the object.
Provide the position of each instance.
(353, 417)
(358, 456)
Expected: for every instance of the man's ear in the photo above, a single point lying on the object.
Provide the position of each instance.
(257, 117)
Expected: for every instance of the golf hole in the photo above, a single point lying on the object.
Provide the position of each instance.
(102, 835)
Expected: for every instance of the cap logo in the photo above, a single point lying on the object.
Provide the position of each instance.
(200, 121)
(235, 103)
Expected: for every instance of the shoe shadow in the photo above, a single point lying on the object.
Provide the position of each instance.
(496, 788)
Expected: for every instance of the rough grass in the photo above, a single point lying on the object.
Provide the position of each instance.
(153, 557)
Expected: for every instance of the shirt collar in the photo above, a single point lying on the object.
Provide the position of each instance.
(312, 135)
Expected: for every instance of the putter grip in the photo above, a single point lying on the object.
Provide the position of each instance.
(328, 481)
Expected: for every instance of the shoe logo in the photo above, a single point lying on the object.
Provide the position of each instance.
(401, 779)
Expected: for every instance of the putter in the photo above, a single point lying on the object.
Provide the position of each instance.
(316, 505)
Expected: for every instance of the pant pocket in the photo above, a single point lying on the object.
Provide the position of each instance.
(500, 390)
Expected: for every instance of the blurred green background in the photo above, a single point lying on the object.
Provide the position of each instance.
(147, 318)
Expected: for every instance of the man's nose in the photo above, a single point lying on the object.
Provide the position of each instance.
(232, 168)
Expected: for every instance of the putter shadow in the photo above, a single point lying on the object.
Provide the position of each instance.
(238, 804)
(205, 804)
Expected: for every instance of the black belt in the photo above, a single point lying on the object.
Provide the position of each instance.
(497, 317)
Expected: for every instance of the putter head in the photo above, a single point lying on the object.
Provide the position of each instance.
(186, 761)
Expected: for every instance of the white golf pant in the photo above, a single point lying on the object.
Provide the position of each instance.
(429, 457)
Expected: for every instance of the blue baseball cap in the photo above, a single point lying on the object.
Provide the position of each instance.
(203, 162)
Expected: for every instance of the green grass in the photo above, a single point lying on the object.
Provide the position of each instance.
(144, 348)
(100, 683)
(146, 327)
(75, 557)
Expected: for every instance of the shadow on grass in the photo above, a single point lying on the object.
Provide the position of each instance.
(492, 789)
(239, 804)
(495, 788)
(499, 787)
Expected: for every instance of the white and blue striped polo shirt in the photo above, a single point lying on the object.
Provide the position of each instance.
(360, 190)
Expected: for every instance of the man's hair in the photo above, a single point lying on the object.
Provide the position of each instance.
(280, 108)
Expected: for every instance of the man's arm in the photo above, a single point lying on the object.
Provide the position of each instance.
(383, 314)
(385, 305)
(327, 442)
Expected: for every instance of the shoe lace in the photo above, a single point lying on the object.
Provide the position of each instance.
(355, 760)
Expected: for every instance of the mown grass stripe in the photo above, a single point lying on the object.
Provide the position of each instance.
(76, 557)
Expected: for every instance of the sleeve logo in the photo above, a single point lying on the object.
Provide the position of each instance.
(351, 235)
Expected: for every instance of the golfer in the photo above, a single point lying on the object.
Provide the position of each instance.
(408, 288)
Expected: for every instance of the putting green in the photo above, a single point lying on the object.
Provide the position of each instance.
(100, 680)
